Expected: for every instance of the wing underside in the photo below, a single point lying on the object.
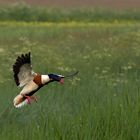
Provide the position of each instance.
(23, 70)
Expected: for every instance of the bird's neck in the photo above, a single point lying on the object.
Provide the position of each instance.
(45, 79)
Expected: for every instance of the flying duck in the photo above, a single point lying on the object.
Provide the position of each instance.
(31, 82)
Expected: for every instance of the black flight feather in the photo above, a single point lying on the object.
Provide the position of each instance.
(20, 61)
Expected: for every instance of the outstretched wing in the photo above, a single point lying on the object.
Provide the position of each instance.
(22, 69)
(70, 75)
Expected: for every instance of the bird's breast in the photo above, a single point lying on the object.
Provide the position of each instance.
(37, 80)
(41, 79)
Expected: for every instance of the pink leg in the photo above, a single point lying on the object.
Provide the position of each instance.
(28, 99)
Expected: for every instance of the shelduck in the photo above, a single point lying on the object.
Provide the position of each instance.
(31, 82)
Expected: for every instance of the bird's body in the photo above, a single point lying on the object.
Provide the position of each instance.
(32, 87)
(30, 81)
(35, 84)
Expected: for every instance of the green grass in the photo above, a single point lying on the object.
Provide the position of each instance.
(101, 103)
(23, 12)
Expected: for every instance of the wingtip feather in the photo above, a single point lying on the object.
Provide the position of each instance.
(21, 60)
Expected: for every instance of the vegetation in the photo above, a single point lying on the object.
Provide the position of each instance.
(101, 103)
(22, 12)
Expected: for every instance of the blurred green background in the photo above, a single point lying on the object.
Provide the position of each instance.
(102, 102)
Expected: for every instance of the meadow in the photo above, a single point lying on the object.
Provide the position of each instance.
(101, 103)
(23, 12)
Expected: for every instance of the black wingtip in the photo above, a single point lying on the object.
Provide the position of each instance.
(71, 75)
(21, 60)
(77, 72)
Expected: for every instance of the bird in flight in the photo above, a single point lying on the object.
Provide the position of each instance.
(31, 82)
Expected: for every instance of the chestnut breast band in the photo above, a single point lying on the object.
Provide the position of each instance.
(37, 80)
